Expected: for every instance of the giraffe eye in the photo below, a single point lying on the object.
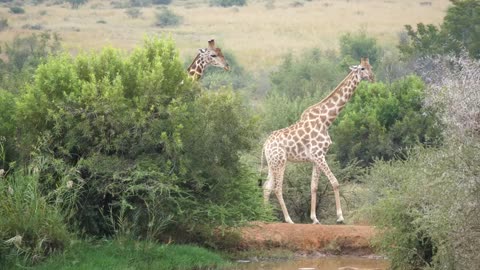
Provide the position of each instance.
(362, 68)
(213, 55)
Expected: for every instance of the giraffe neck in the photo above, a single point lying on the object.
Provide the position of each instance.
(329, 108)
(195, 70)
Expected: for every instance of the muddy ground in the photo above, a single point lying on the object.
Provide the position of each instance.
(310, 238)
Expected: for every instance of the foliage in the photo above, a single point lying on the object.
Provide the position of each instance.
(17, 10)
(428, 207)
(30, 227)
(383, 121)
(146, 151)
(24, 54)
(167, 18)
(228, 3)
(457, 32)
(133, 12)
(453, 87)
(161, 2)
(77, 3)
(355, 46)
(7, 129)
(133, 255)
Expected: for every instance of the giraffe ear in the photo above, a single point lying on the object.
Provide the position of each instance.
(211, 44)
(352, 68)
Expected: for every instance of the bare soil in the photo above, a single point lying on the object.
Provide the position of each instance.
(310, 238)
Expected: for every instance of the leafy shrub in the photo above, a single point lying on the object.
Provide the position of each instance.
(30, 227)
(161, 2)
(383, 121)
(428, 208)
(228, 3)
(167, 18)
(452, 87)
(428, 205)
(77, 3)
(458, 32)
(140, 3)
(133, 12)
(147, 152)
(17, 10)
(25, 54)
(7, 129)
(355, 46)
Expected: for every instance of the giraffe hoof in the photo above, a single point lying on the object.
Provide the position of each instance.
(340, 221)
(316, 222)
(289, 221)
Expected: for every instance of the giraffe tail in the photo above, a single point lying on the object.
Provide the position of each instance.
(262, 158)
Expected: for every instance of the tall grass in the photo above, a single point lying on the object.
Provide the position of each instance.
(133, 255)
(30, 228)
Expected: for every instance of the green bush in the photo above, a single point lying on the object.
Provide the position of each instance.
(355, 46)
(146, 150)
(383, 121)
(427, 208)
(167, 18)
(30, 227)
(133, 12)
(458, 32)
(161, 2)
(25, 54)
(7, 129)
(17, 10)
(77, 3)
(228, 3)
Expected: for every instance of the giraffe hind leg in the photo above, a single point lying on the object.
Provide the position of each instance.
(322, 164)
(278, 182)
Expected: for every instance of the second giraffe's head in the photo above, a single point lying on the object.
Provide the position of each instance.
(364, 70)
(214, 56)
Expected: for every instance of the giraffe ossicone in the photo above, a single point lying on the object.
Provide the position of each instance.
(205, 57)
(307, 140)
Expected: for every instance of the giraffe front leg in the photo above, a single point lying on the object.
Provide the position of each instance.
(335, 185)
(313, 190)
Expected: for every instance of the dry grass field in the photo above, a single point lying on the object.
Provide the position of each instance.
(257, 34)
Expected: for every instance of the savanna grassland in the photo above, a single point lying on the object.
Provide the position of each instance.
(257, 34)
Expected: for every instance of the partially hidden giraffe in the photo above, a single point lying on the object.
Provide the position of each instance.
(307, 141)
(205, 57)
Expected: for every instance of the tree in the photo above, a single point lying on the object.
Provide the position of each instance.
(140, 143)
(459, 31)
(76, 3)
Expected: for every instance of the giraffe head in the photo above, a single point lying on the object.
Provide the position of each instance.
(364, 70)
(214, 56)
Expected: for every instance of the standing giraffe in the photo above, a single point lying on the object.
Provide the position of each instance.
(307, 141)
(208, 56)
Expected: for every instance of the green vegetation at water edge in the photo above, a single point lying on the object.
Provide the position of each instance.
(133, 255)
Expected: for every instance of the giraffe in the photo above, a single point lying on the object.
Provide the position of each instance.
(307, 140)
(208, 56)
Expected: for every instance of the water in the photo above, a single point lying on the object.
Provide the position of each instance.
(326, 263)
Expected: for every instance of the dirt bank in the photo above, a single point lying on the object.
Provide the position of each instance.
(332, 239)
